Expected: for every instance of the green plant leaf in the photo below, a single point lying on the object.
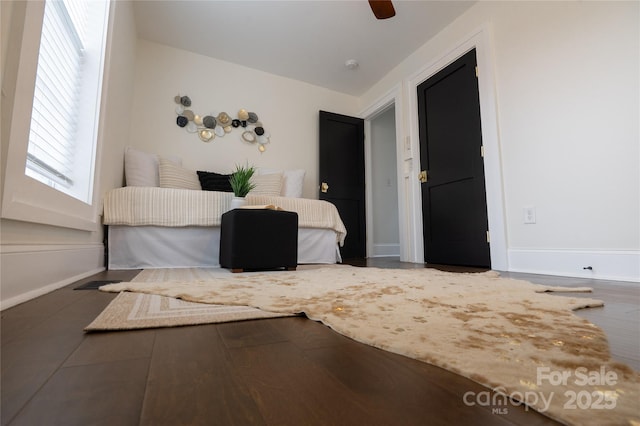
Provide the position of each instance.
(240, 180)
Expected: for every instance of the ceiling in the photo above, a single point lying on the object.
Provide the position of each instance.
(305, 40)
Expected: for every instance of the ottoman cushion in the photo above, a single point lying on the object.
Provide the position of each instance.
(254, 239)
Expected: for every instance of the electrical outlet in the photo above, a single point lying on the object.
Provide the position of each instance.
(529, 214)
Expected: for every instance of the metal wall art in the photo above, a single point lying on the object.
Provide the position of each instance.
(219, 124)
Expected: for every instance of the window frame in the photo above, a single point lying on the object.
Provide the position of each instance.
(25, 198)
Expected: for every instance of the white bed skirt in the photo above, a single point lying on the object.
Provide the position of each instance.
(152, 247)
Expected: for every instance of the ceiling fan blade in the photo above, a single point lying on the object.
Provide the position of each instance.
(383, 9)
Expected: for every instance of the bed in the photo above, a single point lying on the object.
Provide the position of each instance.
(170, 226)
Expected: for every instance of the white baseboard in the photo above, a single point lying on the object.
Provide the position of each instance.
(618, 265)
(385, 250)
(31, 271)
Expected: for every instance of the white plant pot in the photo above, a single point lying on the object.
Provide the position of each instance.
(237, 202)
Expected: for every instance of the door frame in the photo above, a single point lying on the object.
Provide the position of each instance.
(392, 97)
(480, 39)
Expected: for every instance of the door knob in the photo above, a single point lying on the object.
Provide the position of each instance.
(324, 187)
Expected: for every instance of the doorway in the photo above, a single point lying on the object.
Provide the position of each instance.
(384, 236)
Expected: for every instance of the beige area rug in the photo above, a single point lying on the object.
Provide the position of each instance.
(508, 335)
(131, 311)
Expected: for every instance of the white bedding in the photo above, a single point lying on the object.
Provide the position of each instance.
(151, 247)
(151, 227)
(142, 206)
(318, 214)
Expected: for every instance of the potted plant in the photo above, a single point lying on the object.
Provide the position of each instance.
(241, 184)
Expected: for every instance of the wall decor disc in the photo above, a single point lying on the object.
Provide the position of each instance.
(224, 119)
(209, 122)
(191, 127)
(249, 136)
(206, 135)
(243, 114)
(189, 114)
(181, 121)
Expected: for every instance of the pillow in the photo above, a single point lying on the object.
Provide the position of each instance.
(292, 181)
(172, 176)
(270, 184)
(211, 181)
(141, 168)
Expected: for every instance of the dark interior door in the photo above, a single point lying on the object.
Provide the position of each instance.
(454, 204)
(342, 176)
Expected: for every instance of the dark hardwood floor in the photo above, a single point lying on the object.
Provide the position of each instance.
(276, 372)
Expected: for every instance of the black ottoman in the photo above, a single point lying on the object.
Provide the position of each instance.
(254, 239)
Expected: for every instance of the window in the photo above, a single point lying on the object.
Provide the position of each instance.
(36, 188)
(64, 119)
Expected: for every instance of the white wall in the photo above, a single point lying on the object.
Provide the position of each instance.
(287, 108)
(37, 258)
(567, 99)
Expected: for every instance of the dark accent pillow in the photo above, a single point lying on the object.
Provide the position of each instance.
(211, 181)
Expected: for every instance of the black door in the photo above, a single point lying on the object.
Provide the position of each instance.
(342, 176)
(454, 205)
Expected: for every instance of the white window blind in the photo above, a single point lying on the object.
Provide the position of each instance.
(50, 155)
(67, 79)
